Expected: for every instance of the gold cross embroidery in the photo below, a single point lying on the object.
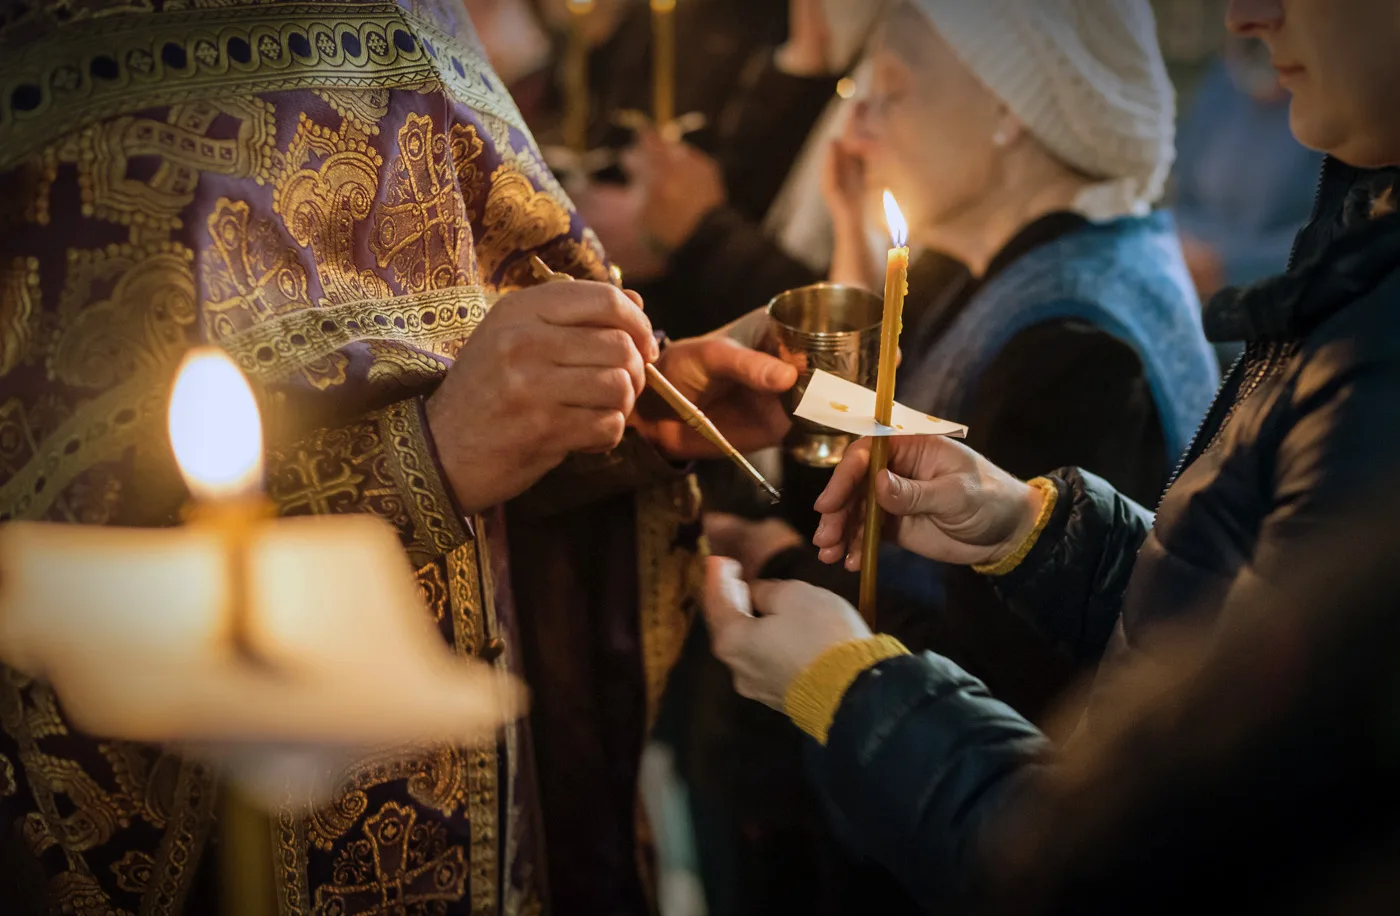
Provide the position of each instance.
(395, 871)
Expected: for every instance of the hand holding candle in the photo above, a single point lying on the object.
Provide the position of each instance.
(238, 637)
(896, 287)
(132, 626)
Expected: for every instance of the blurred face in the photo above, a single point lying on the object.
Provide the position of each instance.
(926, 131)
(1340, 62)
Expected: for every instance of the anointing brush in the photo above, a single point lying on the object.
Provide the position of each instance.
(692, 415)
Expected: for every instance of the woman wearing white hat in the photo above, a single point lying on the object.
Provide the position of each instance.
(1031, 139)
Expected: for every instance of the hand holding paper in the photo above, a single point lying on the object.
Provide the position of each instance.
(843, 405)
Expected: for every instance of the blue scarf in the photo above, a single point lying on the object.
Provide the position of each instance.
(1125, 277)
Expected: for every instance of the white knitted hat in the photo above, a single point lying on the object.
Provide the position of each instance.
(1085, 76)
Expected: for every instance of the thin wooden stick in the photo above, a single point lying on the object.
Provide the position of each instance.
(693, 416)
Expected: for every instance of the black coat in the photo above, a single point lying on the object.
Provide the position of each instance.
(922, 765)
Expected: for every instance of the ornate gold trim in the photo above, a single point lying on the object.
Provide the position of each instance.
(183, 842)
(468, 580)
(280, 347)
(114, 421)
(670, 580)
(430, 505)
(289, 841)
(90, 70)
(464, 597)
(484, 764)
(98, 431)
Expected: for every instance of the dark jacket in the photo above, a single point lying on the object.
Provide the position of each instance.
(921, 764)
(1250, 771)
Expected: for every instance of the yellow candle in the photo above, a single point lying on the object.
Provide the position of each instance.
(663, 25)
(576, 77)
(896, 287)
(216, 434)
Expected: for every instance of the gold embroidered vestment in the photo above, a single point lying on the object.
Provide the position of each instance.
(334, 193)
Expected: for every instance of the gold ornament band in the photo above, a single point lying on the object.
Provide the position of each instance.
(1014, 559)
(814, 696)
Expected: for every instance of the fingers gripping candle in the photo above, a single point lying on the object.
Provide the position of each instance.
(896, 288)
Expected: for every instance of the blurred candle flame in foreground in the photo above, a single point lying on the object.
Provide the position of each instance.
(894, 217)
(215, 429)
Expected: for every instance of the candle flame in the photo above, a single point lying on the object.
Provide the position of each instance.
(662, 6)
(214, 425)
(894, 217)
(580, 7)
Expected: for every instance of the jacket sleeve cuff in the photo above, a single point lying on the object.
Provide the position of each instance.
(1045, 543)
(813, 698)
(1047, 511)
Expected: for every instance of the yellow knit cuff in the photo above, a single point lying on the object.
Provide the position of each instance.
(813, 698)
(1014, 559)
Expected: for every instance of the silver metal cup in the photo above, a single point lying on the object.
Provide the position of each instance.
(830, 327)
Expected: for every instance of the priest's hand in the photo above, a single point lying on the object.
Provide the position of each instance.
(737, 387)
(948, 502)
(798, 623)
(551, 370)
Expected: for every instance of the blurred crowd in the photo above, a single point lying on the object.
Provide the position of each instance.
(1080, 178)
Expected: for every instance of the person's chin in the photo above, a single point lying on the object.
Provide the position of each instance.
(1319, 129)
(1311, 127)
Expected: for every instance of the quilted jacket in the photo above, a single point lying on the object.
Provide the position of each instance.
(923, 769)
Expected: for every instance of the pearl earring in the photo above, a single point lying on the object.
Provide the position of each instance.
(999, 138)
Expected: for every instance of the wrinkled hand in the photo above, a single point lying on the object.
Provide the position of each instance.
(736, 386)
(767, 653)
(807, 52)
(614, 212)
(846, 190)
(752, 543)
(949, 503)
(551, 370)
(844, 184)
(680, 185)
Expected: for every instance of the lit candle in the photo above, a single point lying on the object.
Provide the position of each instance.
(216, 434)
(576, 116)
(240, 638)
(896, 288)
(663, 25)
(131, 625)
